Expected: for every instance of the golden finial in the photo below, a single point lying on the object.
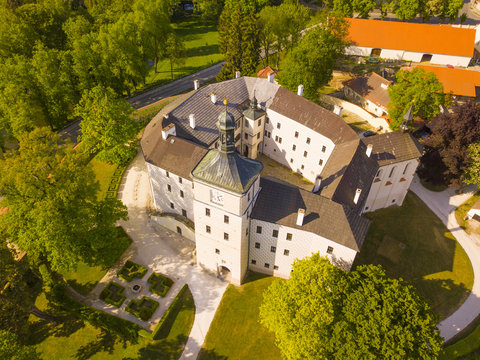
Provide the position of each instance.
(225, 101)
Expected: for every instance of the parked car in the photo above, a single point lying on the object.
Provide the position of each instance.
(369, 133)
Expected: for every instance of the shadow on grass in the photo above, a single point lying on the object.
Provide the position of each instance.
(254, 276)
(105, 343)
(164, 349)
(202, 51)
(83, 289)
(210, 355)
(40, 330)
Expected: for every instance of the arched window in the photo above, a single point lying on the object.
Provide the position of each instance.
(405, 170)
(392, 172)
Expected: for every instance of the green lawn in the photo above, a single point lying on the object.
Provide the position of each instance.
(84, 278)
(103, 173)
(235, 332)
(462, 210)
(412, 243)
(201, 44)
(76, 340)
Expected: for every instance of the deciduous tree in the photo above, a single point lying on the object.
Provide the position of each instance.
(419, 89)
(12, 349)
(107, 127)
(322, 312)
(472, 173)
(175, 51)
(53, 214)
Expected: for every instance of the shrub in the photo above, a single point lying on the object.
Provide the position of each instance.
(112, 294)
(160, 284)
(142, 309)
(131, 270)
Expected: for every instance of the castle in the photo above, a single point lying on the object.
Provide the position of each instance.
(200, 154)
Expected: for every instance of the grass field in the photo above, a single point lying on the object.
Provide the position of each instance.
(76, 340)
(201, 50)
(412, 243)
(235, 332)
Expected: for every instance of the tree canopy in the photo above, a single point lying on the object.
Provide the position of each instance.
(450, 150)
(472, 173)
(322, 312)
(12, 349)
(311, 62)
(53, 214)
(419, 89)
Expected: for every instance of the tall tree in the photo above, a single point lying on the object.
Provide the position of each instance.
(107, 127)
(311, 62)
(12, 349)
(175, 51)
(322, 312)
(51, 195)
(209, 9)
(447, 154)
(472, 173)
(417, 88)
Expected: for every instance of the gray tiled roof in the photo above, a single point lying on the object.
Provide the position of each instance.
(312, 115)
(394, 147)
(230, 171)
(279, 202)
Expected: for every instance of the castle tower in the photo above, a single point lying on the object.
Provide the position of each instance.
(225, 188)
(253, 128)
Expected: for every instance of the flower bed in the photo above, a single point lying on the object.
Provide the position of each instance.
(160, 284)
(112, 294)
(142, 309)
(131, 270)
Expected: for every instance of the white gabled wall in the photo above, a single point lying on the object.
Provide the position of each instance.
(389, 190)
(302, 244)
(162, 197)
(283, 151)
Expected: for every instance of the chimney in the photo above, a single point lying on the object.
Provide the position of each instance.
(196, 84)
(357, 196)
(337, 110)
(300, 215)
(191, 117)
(369, 150)
(168, 130)
(300, 90)
(237, 74)
(318, 182)
(213, 97)
(270, 77)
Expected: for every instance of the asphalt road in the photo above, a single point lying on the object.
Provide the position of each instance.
(175, 87)
(172, 88)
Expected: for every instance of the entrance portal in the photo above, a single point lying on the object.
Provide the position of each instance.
(225, 273)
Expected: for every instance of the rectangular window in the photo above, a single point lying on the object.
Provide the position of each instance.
(169, 188)
(259, 229)
(324, 148)
(167, 173)
(294, 147)
(208, 229)
(180, 180)
(308, 140)
(329, 250)
(305, 154)
(275, 267)
(267, 265)
(276, 138)
(269, 134)
(257, 245)
(217, 251)
(296, 134)
(303, 167)
(289, 236)
(225, 236)
(259, 122)
(279, 140)
(265, 133)
(172, 206)
(254, 262)
(226, 219)
(273, 249)
(246, 136)
(286, 252)
(258, 136)
(246, 123)
(246, 231)
(291, 160)
(184, 212)
(320, 162)
(267, 120)
(275, 233)
(181, 194)
(207, 211)
(279, 125)
(193, 185)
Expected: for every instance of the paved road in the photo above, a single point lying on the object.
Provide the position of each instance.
(175, 87)
(443, 204)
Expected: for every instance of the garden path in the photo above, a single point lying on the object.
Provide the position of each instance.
(443, 204)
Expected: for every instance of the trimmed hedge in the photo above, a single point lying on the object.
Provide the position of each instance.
(171, 308)
(115, 182)
(132, 270)
(112, 297)
(141, 309)
(160, 284)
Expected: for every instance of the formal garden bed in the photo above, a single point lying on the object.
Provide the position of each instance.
(112, 294)
(160, 284)
(131, 270)
(142, 309)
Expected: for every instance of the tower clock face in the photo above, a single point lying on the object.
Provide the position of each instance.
(216, 197)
